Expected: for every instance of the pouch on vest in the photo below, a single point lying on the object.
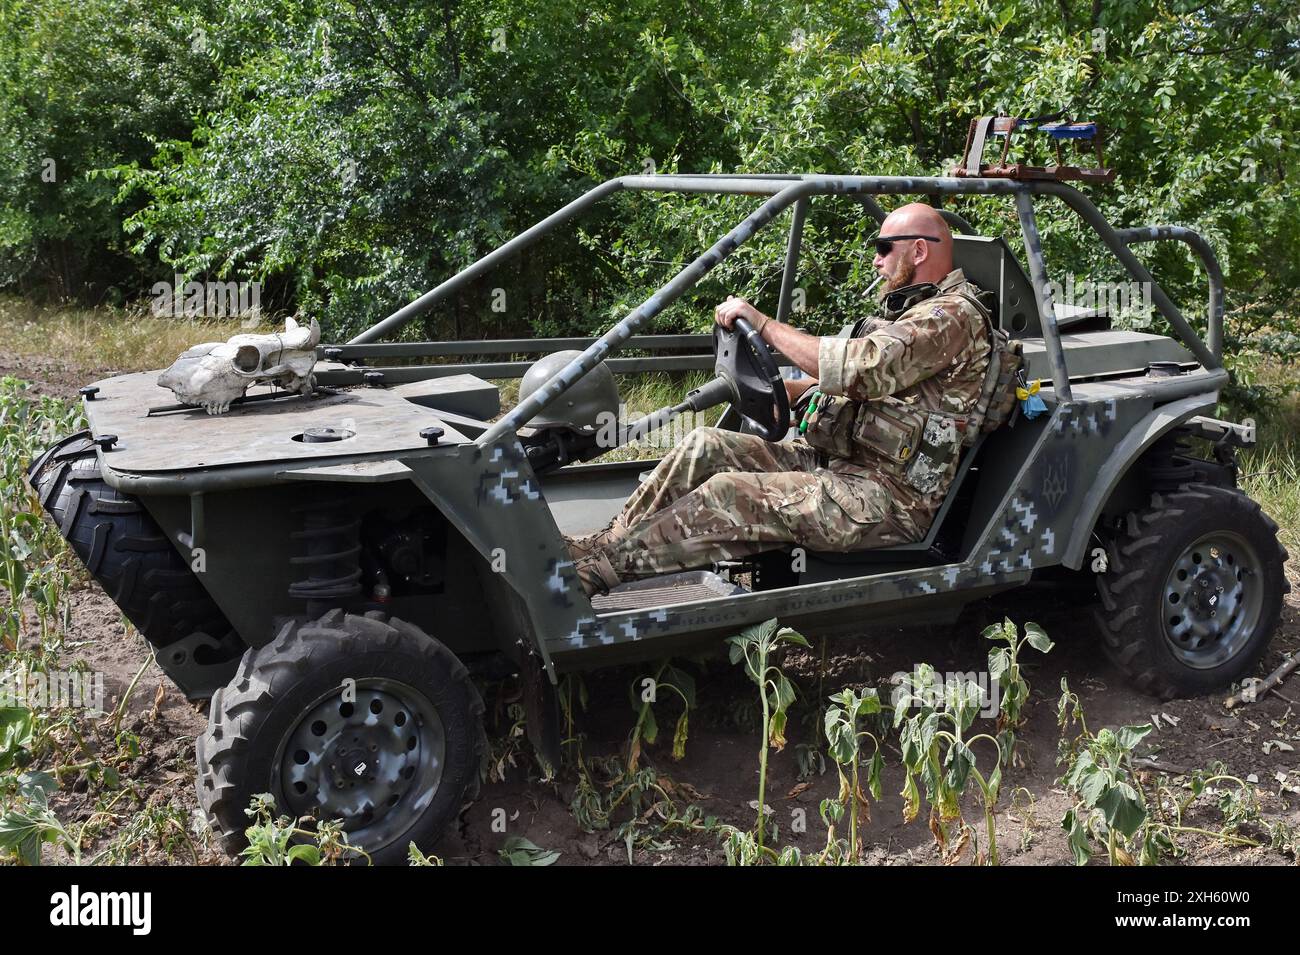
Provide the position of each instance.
(831, 427)
(889, 427)
(941, 443)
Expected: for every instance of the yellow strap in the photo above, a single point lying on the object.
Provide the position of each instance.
(1024, 393)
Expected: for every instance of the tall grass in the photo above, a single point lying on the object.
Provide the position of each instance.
(1272, 476)
(34, 562)
(1270, 471)
(130, 339)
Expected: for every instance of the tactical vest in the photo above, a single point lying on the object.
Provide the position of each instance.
(919, 446)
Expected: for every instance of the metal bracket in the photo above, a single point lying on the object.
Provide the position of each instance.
(1083, 133)
(1216, 431)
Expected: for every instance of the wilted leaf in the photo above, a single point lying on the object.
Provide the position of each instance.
(911, 798)
(305, 853)
(959, 761)
(1129, 736)
(679, 735)
(649, 725)
(776, 732)
(999, 662)
(1037, 638)
(874, 772)
(1122, 808)
(1077, 837)
(995, 783)
(519, 851)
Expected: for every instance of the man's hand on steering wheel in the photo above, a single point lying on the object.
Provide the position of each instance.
(746, 366)
(735, 307)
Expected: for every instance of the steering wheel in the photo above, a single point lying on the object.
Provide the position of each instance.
(742, 358)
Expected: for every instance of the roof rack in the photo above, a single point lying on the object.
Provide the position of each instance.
(1087, 136)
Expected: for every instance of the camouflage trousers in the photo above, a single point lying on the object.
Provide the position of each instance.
(723, 495)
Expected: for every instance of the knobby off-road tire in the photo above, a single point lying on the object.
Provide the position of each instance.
(126, 551)
(1193, 591)
(397, 765)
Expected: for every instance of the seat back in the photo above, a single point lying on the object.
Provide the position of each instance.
(990, 264)
(931, 541)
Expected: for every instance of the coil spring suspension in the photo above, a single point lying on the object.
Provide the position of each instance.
(1168, 466)
(331, 538)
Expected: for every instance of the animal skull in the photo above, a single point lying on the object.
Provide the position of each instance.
(214, 374)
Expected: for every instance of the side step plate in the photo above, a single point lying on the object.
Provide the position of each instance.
(661, 591)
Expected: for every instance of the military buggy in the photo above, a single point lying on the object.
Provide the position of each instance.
(330, 568)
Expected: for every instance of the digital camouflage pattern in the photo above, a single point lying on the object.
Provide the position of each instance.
(873, 470)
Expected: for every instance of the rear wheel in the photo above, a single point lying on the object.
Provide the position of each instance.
(363, 719)
(1193, 591)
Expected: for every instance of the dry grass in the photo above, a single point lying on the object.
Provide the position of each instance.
(129, 339)
(1270, 473)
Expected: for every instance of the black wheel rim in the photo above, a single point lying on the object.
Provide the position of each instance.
(374, 763)
(1212, 600)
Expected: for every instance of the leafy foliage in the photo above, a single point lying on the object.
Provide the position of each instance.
(278, 840)
(353, 155)
(938, 745)
(523, 852)
(29, 822)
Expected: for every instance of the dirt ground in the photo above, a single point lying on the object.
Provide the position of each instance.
(721, 760)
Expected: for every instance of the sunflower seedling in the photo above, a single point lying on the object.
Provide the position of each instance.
(643, 693)
(1006, 669)
(943, 758)
(756, 646)
(845, 747)
(279, 841)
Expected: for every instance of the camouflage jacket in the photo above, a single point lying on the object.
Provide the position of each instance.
(897, 395)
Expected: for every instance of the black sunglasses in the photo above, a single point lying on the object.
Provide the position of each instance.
(885, 244)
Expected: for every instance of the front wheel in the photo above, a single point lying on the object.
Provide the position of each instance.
(1192, 592)
(363, 719)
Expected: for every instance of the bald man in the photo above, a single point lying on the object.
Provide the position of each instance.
(878, 456)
